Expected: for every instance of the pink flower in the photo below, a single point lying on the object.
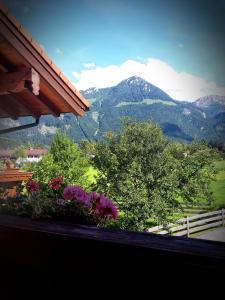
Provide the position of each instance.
(103, 207)
(55, 183)
(76, 193)
(32, 186)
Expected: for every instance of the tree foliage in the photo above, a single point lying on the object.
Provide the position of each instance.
(148, 176)
(63, 159)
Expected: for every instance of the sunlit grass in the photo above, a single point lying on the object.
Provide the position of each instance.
(218, 185)
(147, 102)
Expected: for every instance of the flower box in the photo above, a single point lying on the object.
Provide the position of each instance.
(60, 202)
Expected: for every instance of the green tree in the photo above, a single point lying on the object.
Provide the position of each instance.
(147, 175)
(195, 171)
(63, 159)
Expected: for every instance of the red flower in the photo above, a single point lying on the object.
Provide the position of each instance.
(55, 183)
(32, 186)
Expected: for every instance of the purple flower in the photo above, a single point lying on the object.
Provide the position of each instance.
(61, 202)
(76, 193)
(103, 207)
(94, 196)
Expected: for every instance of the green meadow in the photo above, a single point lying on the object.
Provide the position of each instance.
(218, 185)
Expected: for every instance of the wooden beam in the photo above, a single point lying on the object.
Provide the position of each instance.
(15, 82)
(33, 81)
(52, 108)
(9, 109)
(36, 104)
(5, 64)
(12, 82)
(28, 105)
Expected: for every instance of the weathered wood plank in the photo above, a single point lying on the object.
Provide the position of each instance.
(180, 233)
(193, 224)
(66, 259)
(173, 229)
(137, 239)
(186, 224)
(155, 228)
(200, 228)
(212, 213)
(159, 227)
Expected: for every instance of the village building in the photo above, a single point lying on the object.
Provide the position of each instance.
(30, 155)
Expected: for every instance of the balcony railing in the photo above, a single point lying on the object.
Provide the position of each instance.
(64, 258)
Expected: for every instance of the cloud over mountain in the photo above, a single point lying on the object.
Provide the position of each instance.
(179, 85)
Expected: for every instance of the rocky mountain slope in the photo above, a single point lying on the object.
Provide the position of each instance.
(134, 97)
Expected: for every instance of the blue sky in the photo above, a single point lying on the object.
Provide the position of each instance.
(94, 39)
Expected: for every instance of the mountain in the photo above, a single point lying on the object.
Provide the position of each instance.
(134, 97)
(207, 101)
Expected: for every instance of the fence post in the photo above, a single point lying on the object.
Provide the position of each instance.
(188, 232)
(223, 216)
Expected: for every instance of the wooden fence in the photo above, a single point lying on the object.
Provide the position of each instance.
(189, 225)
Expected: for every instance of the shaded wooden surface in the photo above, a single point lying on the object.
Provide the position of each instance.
(14, 175)
(64, 258)
(10, 178)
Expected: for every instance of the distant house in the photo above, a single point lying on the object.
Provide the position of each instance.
(35, 154)
(31, 155)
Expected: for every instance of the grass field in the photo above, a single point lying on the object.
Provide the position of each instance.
(218, 185)
(147, 102)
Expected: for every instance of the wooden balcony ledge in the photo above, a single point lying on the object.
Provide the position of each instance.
(63, 257)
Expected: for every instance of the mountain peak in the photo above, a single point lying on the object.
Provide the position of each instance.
(134, 80)
(208, 100)
(137, 89)
(132, 89)
(90, 92)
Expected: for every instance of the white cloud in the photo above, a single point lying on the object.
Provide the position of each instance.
(76, 75)
(89, 65)
(58, 51)
(179, 85)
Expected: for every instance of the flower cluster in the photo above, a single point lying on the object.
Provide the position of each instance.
(97, 205)
(32, 186)
(76, 193)
(74, 200)
(56, 183)
(102, 207)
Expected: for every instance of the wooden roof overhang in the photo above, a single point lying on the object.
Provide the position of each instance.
(30, 83)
